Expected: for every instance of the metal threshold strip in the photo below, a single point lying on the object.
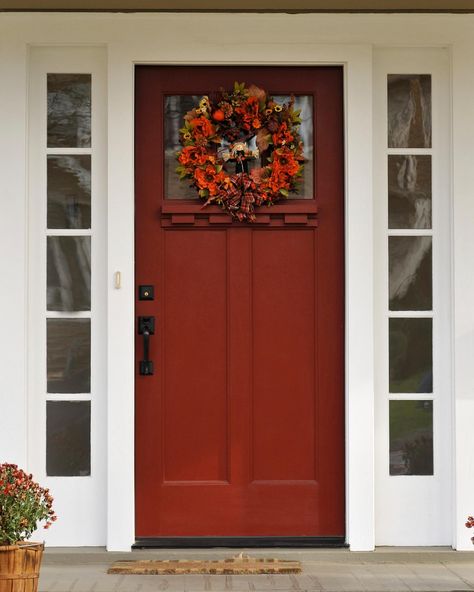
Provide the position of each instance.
(248, 542)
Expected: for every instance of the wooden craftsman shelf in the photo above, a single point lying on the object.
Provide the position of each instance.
(291, 213)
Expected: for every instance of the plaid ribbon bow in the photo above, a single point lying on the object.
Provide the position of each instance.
(241, 198)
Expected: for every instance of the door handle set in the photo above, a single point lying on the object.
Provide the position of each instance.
(146, 327)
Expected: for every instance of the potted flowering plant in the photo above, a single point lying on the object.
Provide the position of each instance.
(23, 505)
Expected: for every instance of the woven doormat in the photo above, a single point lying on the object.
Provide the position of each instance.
(242, 564)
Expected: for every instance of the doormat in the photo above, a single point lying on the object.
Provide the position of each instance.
(242, 564)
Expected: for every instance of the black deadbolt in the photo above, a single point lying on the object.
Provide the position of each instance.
(146, 292)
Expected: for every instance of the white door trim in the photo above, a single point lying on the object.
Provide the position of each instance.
(357, 61)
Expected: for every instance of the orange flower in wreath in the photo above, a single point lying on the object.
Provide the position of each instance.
(249, 113)
(277, 180)
(202, 127)
(209, 179)
(285, 160)
(192, 156)
(282, 135)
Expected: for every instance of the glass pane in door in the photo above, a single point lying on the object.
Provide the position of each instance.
(176, 107)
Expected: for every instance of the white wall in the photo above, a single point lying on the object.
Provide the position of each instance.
(169, 38)
(463, 246)
(13, 242)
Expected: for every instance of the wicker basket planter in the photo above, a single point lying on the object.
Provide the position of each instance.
(20, 566)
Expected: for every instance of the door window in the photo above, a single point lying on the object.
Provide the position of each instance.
(176, 107)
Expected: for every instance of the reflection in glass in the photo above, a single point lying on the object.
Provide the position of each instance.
(409, 111)
(409, 191)
(176, 106)
(69, 273)
(69, 355)
(69, 191)
(69, 110)
(410, 273)
(68, 438)
(410, 355)
(306, 130)
(411, 437)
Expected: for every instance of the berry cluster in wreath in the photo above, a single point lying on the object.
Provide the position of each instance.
(216, 157)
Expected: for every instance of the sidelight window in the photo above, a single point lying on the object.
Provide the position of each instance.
(68, 279)
(410, 281)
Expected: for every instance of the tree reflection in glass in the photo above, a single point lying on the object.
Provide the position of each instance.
(69, 273)
(411, 437)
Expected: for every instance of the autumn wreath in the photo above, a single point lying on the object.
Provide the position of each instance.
(218, 157)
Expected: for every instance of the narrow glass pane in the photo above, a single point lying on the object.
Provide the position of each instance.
(411, 355)
(411, 437)
(306, 130)
(69, 191)
(68, 438)
(176, 106)
(409, 111)
(410, 273)
(69, 110)
(409, 191)
(69, 355)
(69, 273)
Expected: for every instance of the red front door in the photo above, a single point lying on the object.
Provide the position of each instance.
(240, 429)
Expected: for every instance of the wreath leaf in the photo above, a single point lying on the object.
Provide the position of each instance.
(263, 139)
(255, 91)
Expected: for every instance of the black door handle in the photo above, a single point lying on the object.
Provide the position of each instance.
(146, 327)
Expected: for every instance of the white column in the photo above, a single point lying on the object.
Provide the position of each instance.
(13, 241)
(121, 302)
(463, 245)
(359, 304)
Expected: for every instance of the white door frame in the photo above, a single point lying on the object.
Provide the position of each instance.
(359, 406)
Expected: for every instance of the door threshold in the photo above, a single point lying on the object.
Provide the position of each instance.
(207, 542)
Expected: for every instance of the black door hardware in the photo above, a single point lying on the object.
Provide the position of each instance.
(146, 327)
(146, 293)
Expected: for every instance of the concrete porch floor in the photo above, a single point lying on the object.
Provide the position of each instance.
(384, 570)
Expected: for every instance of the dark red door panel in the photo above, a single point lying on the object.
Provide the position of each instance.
(240, 429)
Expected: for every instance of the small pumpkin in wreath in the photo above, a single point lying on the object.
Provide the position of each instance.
(241, 149)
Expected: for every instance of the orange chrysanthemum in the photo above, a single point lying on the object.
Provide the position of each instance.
(208, 178)
(201, 126)
(193, 155)
(284, 159)
(282, 135)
